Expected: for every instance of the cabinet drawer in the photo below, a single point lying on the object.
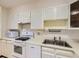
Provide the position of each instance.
(47, 55)
(64, 53)
(3, 41)
(48, 50)
(33, 46)
(61, 56)
(9, 41)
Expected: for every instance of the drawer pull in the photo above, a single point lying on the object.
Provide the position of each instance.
(32, 47)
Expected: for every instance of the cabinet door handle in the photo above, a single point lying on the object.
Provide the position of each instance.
(32, 47)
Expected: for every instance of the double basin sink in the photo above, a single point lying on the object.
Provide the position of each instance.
(57, 42)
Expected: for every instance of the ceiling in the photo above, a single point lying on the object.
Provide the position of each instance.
(13, 3)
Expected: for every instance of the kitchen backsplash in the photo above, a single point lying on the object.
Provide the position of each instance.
(68, 34)
(73, 34)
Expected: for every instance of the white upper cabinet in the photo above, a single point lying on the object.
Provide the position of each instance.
(53, 13)
(62, 12)
(36, 16)
(19, 15)
(23, 14)
(13, 16)
(48, 13)
(36, 19)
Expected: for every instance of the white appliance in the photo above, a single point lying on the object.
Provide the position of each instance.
(19, 47)
(26, 33)
(12, 33)
(33, 51)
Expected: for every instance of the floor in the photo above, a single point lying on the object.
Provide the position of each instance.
(1, 56)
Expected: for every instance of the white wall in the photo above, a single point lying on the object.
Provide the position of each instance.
(73, 34)
(0, 21)
(51, 3)
(4, 21)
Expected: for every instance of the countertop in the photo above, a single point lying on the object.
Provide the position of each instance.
(39, 40)
(74, 44)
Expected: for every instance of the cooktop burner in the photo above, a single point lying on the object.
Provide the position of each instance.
(23, 38)
(57, 42)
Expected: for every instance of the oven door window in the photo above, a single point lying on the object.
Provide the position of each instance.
(18, 49)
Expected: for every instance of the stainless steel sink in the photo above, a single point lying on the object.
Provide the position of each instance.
(57, 42)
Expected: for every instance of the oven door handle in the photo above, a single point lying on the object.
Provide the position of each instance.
(32, 47)
(18, 44)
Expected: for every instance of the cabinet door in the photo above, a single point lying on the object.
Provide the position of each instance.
(4, 47)
(36, 19)
(48, 55)
(13, 24)
(53, 13)
(9, 49)
(63, 53)
(19, 15)
(49, 13)
(13, 19)
(48, 52)
(33, 51)
(23, 14)
(62, 12)
(61, 56)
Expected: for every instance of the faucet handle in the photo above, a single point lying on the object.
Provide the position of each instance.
(54, 38)
(59, 38)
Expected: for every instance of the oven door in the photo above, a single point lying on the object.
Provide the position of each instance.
(19, 50)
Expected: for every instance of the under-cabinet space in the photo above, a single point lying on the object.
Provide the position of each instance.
(50, 24)
(24, 26)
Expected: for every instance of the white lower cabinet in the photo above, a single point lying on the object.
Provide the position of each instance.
(3, 47)
(64, 54)
(9, 49)
(61, 56)
(56, 53)
(0, 47)
(33, 51)
(47, 55)
(6, 48)
(48, 52)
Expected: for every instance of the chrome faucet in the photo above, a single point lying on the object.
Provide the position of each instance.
(54, 38)
(59, 38)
